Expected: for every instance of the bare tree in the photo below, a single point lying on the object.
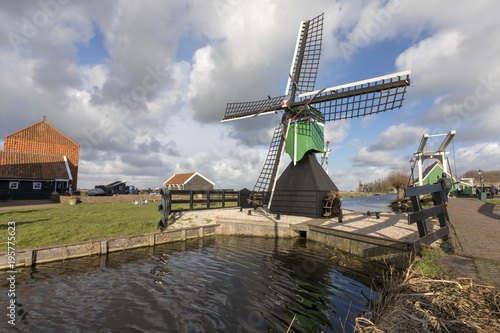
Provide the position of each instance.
(488, 176)
(399, 180)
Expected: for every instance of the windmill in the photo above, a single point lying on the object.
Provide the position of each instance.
(302, 187)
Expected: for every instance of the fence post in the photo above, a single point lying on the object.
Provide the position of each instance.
(191, 200)
(208, 199)
(223, 199)
(165, 207)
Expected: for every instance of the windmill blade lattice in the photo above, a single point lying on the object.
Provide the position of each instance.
(305, 63)
(252, 109)
(268, 174)
(361, 98)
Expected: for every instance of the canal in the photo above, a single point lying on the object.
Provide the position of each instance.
(375, 203)
(214, 284)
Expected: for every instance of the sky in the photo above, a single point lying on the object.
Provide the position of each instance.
(142, 86)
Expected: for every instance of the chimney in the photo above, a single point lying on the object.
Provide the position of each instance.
(44, 117)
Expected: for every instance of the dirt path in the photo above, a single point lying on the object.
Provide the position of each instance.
(22, 204)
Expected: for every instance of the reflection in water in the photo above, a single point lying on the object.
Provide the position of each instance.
(234, 284)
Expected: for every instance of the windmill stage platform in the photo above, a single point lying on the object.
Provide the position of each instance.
(384, 239)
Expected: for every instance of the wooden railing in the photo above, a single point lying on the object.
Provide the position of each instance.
(183, 200)
(419, 215)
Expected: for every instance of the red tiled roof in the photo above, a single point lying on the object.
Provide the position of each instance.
(18, 165)
(41, 132)
(43, 138)
(179, 178)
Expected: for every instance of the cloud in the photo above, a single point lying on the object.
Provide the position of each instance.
(336, 131)
(398, 136)
(364, 157)
(153, 107)
(485, 156)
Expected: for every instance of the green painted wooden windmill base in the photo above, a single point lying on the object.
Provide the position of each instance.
(305, 133)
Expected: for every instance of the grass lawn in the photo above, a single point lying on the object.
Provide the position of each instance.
(84, 221)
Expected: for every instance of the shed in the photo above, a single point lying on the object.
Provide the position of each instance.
(117, 187)
(189, 181)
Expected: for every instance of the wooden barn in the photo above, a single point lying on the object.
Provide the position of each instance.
(189, 181)
(37, 161)
(33, 176)
(117, 187)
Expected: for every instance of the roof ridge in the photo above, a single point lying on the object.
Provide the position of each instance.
(38, 124)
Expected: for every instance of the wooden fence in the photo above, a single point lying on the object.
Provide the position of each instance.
(191, 200)
(420, 215)
(182, 200)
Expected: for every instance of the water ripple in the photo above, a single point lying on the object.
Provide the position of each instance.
(235, 284)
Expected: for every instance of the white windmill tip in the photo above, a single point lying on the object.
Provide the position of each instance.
(357, 83)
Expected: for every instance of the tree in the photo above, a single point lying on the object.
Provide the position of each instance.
(488, 176)
(399, 180)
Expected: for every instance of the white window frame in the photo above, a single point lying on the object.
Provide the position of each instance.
(37, 185)
(13, 185)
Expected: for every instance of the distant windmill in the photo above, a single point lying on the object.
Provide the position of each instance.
(302, 187)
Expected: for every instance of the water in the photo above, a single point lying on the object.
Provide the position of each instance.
(375, 203)
(223, 284)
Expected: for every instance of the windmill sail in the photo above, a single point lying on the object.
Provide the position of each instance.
(305, 63)
(267, 176)
(360, 98)
(252, 109)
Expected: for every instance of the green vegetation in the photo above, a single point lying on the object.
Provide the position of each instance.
(82, 222)
(47, 226)
(429, 264)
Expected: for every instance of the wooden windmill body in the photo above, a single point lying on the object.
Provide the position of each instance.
(303, 186)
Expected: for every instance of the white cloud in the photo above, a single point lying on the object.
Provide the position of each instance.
(180, 64)
(364, 157)
(398, 136)
(485, 156)
(336, 131)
